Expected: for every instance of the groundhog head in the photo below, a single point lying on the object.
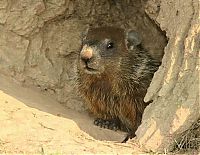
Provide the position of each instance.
(103, 48)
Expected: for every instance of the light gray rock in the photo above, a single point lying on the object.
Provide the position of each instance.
(175, 86)
(52, 55)
(54, 8)
(3, 11)
(23, 16)
(13, 50)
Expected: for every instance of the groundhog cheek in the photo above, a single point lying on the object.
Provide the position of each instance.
(94, 64)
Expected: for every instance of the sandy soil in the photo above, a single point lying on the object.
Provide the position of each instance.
(35, 123)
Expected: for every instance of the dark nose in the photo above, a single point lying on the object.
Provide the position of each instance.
(86, 60)
(85, 57)
(86, 54)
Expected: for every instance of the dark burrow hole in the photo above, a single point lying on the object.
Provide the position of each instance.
(127, 14)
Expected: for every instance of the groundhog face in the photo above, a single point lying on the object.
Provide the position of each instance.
(103, 48)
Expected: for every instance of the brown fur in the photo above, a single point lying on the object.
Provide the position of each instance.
(117, 92)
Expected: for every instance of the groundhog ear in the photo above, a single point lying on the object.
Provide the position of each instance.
(133, 38)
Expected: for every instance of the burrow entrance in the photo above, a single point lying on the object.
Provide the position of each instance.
(48, 35)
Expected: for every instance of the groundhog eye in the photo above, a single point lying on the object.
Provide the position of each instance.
(110, 45)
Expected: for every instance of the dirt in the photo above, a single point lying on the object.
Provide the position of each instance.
(32, 122)
(38, 45)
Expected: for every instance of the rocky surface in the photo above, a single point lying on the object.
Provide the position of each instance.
(40, 40)
(34, 123)
(175, 86)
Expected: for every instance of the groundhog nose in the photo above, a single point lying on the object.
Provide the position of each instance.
(86, 53)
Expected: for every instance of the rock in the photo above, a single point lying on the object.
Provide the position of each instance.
(13, 50)
(54, 8)
(175, 86)
(23, 17)
(40, 40)
(51, 64)
(3, 11)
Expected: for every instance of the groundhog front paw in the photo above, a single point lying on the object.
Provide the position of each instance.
(108, 124)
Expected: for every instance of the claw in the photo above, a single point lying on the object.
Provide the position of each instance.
(128, 136)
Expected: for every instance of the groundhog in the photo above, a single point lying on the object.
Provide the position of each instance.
(114, 72)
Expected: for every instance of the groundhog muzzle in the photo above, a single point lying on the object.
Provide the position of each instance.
(114, 72)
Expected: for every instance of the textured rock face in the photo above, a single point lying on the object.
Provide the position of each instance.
(12, 51)
(175, 86)
(39, 41)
